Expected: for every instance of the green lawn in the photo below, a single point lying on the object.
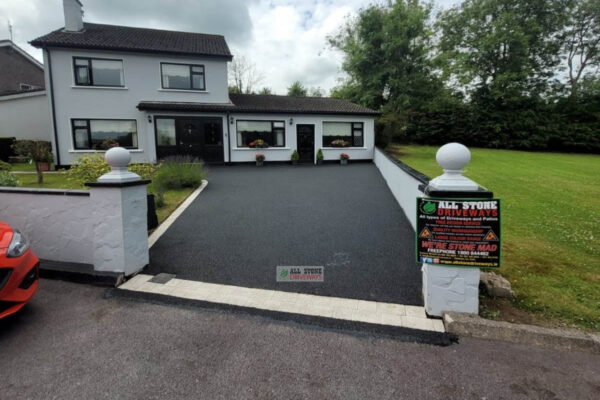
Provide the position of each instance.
(551, 225)
(173, 198)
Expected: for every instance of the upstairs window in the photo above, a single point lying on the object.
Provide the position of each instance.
(102, 134)
(343, 134)
(260, 133)
(98, 72)
(182, 76)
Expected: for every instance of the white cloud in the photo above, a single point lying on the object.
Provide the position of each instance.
(287, 39)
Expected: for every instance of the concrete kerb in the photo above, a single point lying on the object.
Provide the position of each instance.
(162, 228)
(563, 339)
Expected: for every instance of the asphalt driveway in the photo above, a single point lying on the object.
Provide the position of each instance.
(250, 220)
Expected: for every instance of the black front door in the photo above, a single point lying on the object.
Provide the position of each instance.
(189, 132)
(196, 137)
(305, 139)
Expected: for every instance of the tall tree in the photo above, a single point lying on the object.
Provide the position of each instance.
(500, 48)
(244, 77)
(581, 43)
(297, 89)
(387, 56)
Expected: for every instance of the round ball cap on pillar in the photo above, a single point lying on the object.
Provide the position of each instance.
(118, 158)
(453, 157)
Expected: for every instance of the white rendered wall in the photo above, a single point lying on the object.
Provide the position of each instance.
(404, 187)
(25, 116)
(142, 82)
(245, 154)
(60, 227)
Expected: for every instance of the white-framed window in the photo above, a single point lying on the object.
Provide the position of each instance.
(252, 133)
(98, 72)
(102, 134)
(343, 134)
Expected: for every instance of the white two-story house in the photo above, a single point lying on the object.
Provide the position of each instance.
(161, 93)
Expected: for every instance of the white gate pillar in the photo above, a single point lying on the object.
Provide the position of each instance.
(446, 288)
(119, 207)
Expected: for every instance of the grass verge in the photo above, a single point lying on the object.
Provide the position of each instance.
(551, 226)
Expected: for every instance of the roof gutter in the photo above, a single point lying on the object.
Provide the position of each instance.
(56, 147)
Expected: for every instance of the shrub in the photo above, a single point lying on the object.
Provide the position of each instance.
(144, 170)
(88, 168)
(8, 179)
(344, 156)
(179, 172)
(320, 155)
(295, 155)
(4, 166)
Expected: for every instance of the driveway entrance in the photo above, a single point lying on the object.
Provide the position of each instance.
(250, 220)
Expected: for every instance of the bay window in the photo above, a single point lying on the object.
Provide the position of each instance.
(98, 72)
(343, 134)
(251, 133)
(182, 76)
(101, 134)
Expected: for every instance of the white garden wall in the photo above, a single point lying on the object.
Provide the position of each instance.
(403, 181)
(105, 227)
(58, 223)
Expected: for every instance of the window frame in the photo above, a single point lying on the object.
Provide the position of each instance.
(352, 136)
(89, 132)
(90, 72)
(192, 73)
(260, 120)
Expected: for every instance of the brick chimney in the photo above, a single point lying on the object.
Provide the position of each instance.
(73, 15)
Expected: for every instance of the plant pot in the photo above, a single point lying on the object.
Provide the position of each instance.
(259, 163)
(343, 161)
(294, 162)
(319, 162)
(44, 166)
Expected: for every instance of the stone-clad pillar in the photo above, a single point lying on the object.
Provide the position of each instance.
(447, 288)
(119, 207)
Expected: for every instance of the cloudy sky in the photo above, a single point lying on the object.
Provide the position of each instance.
(286, 39)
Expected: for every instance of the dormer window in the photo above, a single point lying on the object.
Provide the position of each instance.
(98, 72)
(182, 76)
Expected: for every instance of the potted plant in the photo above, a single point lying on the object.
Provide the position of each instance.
(260, 159)
(319, 157)
(340, 143)
(39, 151)
(295, 157)
(258, 144)
(344, 158)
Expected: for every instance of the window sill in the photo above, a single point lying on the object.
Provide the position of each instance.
(344, 148)
(100, 87)
(260, 148)
(184, 90)
(103, 151)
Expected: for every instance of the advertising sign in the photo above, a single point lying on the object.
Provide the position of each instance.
(459, 232)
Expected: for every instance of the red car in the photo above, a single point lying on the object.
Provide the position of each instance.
(19, 271)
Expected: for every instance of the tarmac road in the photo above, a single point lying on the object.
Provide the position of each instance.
(72, 343)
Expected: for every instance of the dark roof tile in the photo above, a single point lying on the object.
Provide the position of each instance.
(255, 103)
(124, 38)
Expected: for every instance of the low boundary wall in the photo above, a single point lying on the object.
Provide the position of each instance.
(58, 223)
(405, 182)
